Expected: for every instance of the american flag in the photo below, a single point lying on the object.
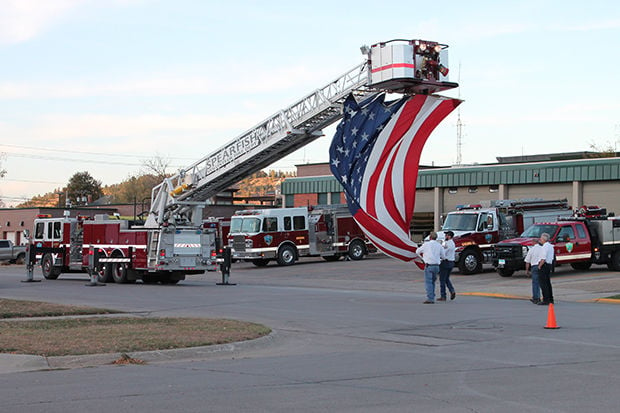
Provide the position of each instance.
(375, 155)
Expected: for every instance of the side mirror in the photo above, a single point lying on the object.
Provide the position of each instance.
(26, 233)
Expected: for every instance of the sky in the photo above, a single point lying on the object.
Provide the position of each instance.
(103, 86)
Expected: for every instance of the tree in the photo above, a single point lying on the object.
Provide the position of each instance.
(157, 165)
(82, 187)
(2, 170)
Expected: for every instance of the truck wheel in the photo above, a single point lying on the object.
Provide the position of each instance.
(104, 275)
(20, 259)
(261, 262)
(286, 255)
(581, 266)
(470, 263)
(119, 272)
(48, 269)
(505, 272)
(615, 261)
(356, 250)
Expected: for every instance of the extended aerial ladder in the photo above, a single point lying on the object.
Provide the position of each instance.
(402, 66)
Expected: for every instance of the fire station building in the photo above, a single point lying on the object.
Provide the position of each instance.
(583, 178)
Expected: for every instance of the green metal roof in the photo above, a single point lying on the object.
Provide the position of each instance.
(598, 169)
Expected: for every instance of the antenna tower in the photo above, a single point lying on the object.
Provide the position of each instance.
(459, 126)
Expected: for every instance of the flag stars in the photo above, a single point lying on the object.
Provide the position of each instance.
(364, 136)
(336, 162)
(343, 178)
(354, 131)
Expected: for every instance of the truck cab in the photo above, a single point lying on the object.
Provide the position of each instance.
(579, 241)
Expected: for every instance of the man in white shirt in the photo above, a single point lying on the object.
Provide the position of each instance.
(432, 253)
(445, 268)
(533, 257)
(544, 266)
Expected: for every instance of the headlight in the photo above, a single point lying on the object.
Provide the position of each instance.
(524, 250)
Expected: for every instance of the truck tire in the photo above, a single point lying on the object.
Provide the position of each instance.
(581, 266)
(47, 267)
(470, 262)
(505, 272)
(260, 262)
(21, 258)
(119, 272)
(615, 261)
(357, 250)
(286, 255)
(105, 274)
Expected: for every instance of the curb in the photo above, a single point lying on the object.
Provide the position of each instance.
(12, 363)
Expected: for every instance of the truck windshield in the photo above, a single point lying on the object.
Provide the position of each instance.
(536, 230)
(244, 224)
(460, 222)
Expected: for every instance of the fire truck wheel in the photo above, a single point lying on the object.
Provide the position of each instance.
(260, 262)
(504, 272)
(105, 274)
(286, 255)
(470, 262)
(581, 266)
(356, 250)
(119, 272)
(48, 269)
(615, 261)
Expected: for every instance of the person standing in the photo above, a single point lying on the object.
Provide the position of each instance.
(533, 257)
(446, 266)
(544, 270)
(432, 253)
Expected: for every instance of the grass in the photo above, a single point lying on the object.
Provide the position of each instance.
(614, 297)
(21, 308)
(95, 335)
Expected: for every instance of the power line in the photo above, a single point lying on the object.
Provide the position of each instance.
(91, 161)
(120, 155)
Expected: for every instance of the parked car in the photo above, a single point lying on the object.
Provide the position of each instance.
(12, 253)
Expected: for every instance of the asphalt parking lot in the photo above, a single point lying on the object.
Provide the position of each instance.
(348, 336)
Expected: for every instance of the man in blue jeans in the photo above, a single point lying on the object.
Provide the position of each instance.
(432, 253)
(533, 257)
(445, 268)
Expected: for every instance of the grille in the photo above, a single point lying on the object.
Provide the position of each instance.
(508, 251)
(239, 243)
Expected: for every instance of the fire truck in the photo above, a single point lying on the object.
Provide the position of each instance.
(286, 234)
(64, 245)
(477, 228)
(174, 240)
(590, 236)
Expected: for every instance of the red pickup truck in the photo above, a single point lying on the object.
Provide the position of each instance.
(578, 241)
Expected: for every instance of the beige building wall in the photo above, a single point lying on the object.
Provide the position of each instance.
(603, 194)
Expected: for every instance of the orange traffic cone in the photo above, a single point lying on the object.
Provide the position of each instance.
(551, 318)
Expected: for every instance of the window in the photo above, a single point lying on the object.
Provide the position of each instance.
(289, 200)
(48, 234)
(452, 190)
(4, 244)
(335, 198)
(270, 224)
(581, 232)
(299, 223)
(566, 234)
(38, 230)
(287, 224)
(57, 230)
(472, 189)
(494, 188)
(322, 199)
(8, 223)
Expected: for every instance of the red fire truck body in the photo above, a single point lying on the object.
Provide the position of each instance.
(67, 244)
(285, 234)
(477, 229)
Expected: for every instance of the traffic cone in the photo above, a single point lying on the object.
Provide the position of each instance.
(551, 318)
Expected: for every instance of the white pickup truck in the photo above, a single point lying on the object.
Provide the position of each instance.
(12, 253)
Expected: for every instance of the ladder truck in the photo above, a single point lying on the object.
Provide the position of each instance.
(174, 240)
